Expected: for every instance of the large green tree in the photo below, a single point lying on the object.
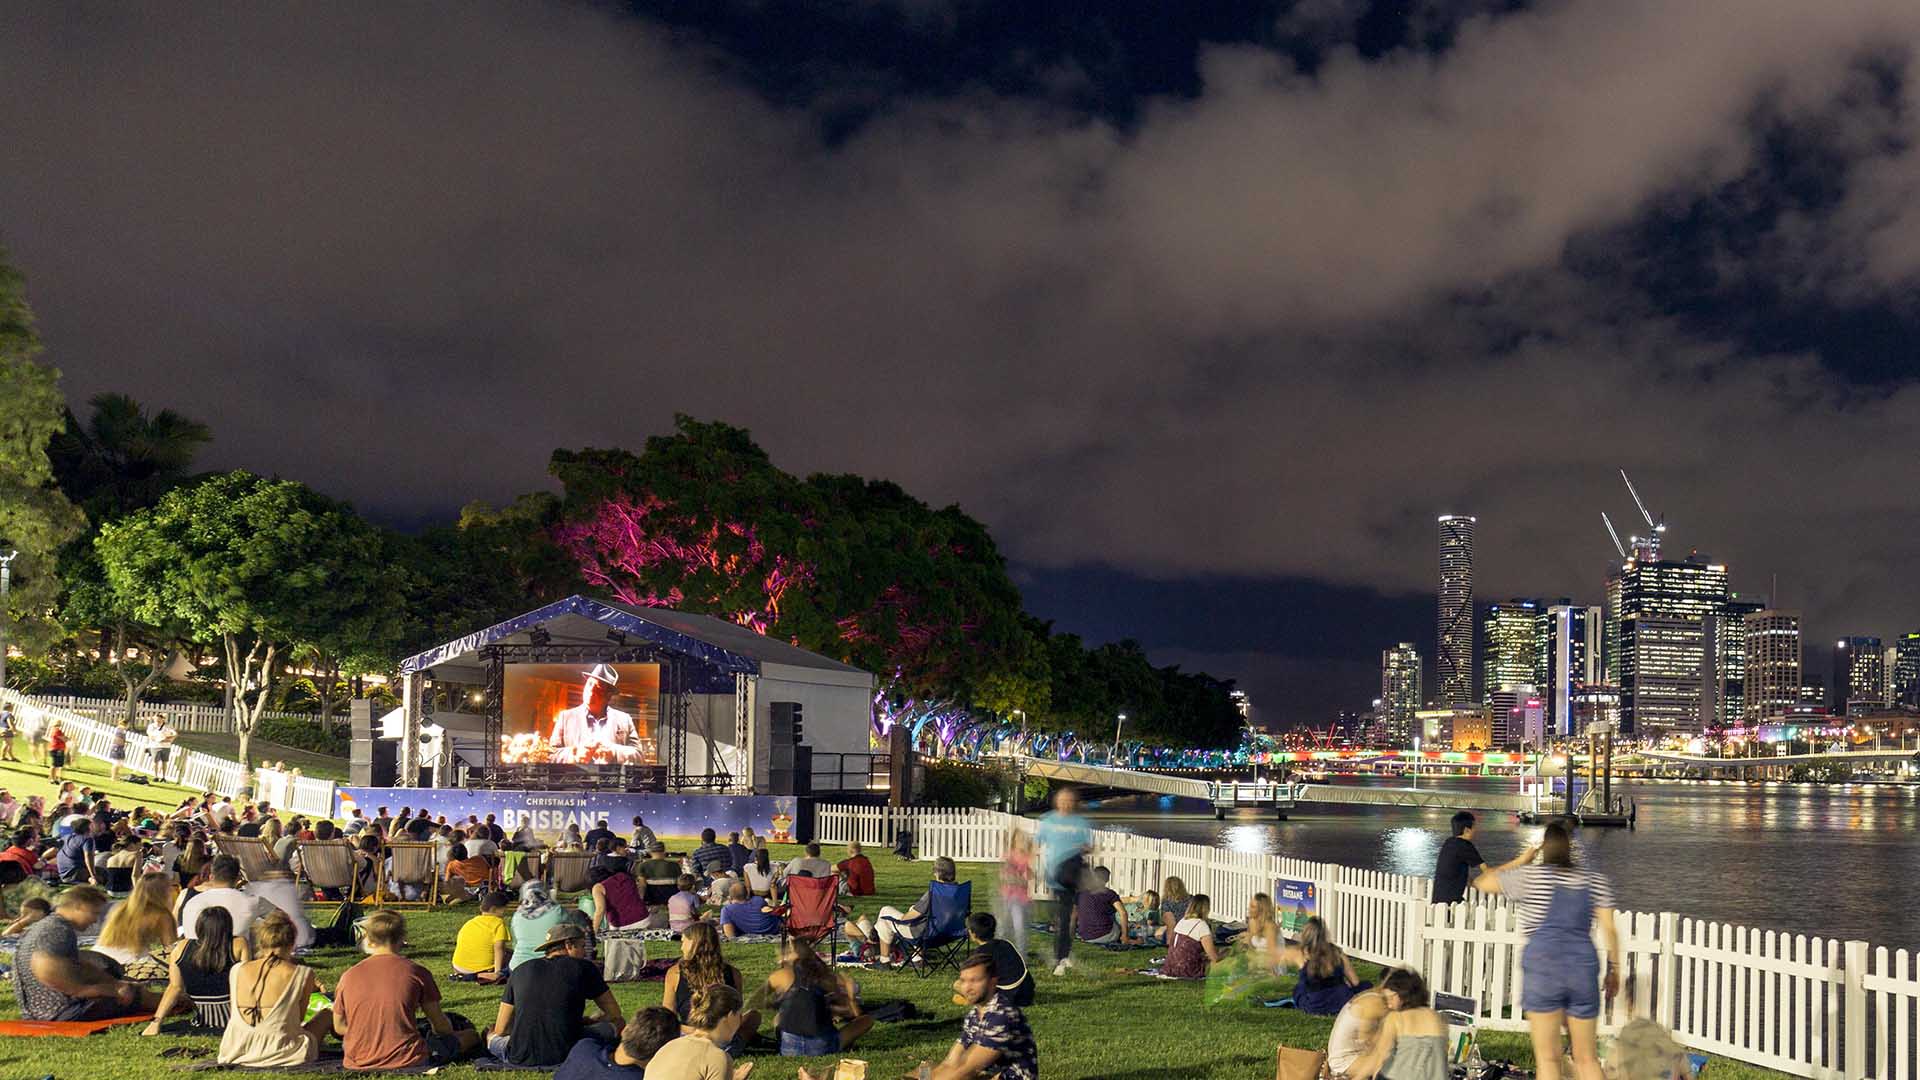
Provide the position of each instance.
(35, 518)
(262, 569)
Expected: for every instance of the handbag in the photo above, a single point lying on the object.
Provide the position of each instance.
(624, 959)
(1292, 1064)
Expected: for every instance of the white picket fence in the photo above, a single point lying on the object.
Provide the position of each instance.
(188, 768)
(185, 717)
(1805, 1006)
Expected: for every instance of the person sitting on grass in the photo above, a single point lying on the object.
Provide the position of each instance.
(466, 874)
(1327, 979)
(1190, 947)
(536, 916)
(701, 965)
(712, 1022)
(649, 1030)
(223, 890)
(198, 974)
(994, 1037)
(759, 874)
(1174, 899)
(737, 853)
(812, 865)
(543, 1011)
(375, 1003)
(710, 858)
(1354, 1029)
(1011, 979)
(32, 910)
(617, 903)
(1099, 916)
(1143, 917)
(484, 944)
(266, 1028)
(857, 871)
(142, 923)
(893, 923)
(747, 915)
(683, 907)
(1412, 1041)
(52, 982)
(812, 999)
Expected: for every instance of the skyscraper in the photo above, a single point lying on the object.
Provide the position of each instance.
(1859, 674)
(1772, 680)
(1511, 650)
(1662, 659)
(1453, 667)
(1904, 679)
(1572, 662)
(1727, 642)
(1400, 685)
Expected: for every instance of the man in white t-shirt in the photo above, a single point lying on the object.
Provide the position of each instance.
(479, 844)
(223, 880)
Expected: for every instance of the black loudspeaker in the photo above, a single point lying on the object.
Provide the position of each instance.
(386, 763)
(780, 768)
(788, 723)
(802, 771)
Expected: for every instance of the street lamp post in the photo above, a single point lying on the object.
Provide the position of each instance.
(6, 581)
(1117, 725)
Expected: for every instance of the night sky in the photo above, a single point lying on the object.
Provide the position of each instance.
(1206, 308)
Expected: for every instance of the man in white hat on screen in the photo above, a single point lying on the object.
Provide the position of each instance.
(592, 731)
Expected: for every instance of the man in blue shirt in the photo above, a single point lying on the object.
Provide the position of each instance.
(710, 858)
(746, 914)
(75, 859)
(1064, 837)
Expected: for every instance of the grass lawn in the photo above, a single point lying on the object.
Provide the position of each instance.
(319, 766)
(1096, 1023)
(24, 778)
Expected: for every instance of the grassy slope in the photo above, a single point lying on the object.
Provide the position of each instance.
(1097, 1023)
(321, 766)
(24, 778)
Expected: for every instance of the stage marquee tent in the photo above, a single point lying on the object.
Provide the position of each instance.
(736, 676)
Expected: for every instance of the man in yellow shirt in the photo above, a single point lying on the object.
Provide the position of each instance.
(480, 950)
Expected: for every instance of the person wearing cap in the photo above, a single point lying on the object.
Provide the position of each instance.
(542, 1011)
(593, 730)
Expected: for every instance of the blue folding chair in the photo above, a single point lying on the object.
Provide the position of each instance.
(940, 935)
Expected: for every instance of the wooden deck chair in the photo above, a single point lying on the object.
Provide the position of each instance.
(328, 864)
(567, 872)
(411, 863)
(520, 867)
(256, 857)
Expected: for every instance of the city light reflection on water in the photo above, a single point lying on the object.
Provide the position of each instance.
(1804, 858)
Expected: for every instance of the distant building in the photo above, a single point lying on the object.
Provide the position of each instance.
(1571, 663)
(1453, 666)
(1466, 729)
(1241, 704)
(1859, 675)
(1511, 647)
(1657, 629)
(1517, 714)
(1399, 693)
(1814, 694)
(1771, 682)
(1727, 644)
(1598, 704)
(1903, 678)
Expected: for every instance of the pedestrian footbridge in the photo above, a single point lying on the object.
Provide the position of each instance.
(1280, 796)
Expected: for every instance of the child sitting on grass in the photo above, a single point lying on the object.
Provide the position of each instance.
(481, 948)
(31, 911)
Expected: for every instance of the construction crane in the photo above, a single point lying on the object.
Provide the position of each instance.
(1651, 543)
(1617, 546)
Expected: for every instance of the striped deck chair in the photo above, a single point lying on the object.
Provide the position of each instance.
(410, 863)
(328, 864)
(256, 857)
(568, 871)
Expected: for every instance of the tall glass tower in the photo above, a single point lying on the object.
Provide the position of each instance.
(1453, 662)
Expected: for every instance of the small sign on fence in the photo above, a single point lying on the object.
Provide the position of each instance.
(1295, 902)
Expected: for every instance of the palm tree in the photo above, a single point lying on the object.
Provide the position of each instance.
(122, 459)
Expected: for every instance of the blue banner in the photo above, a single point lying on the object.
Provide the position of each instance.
(550, 812)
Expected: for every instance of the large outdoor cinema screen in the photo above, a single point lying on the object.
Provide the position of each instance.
(580, 714)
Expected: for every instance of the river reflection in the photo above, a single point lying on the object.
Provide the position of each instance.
(1839, 862)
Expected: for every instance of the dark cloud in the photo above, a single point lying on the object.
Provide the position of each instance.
(1261, 330)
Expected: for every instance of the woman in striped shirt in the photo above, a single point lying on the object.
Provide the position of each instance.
(1558, 904)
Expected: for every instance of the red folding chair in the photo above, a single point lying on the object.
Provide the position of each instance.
(812, 910)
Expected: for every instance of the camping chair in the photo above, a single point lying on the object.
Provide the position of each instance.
(810, 911)
(568, 871)
(941, 938)
(328, 864)
(412, 863)
(256, 857)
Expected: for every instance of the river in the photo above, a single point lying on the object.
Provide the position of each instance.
(1834, 861)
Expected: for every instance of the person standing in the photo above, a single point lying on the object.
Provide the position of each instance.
(1561, 986)
(56, 751)
(1458, 862)
(1064, 839)
(1016, 888)
(163, 737)
(8, 729)
(117, 750)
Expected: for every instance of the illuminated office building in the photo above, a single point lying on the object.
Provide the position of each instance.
(1727, 644)
(1572, 662)
(1511, 645)
(1903, 674)
(1859, 675)
(1453, 666)
(1772, 676)
(1399, 693)
(1657, 625)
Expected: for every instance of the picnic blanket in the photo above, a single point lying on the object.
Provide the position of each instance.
(69, 1028)
(328, 1063)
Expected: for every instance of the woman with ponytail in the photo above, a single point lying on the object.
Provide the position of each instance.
(712, 1020)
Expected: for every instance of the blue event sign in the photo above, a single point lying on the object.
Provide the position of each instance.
(1296, 902)
(550, 812)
